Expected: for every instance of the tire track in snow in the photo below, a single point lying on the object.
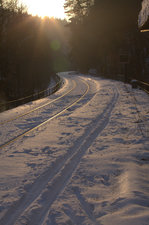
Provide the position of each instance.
(85, 206)
(40, 182)
(35, 126)
(39, 107)
(39, 210)
(33, 207)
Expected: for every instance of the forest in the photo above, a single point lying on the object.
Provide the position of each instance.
(32, 50)
(98, 34)
(105, 36)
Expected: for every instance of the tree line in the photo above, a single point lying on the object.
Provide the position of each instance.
(30, 50)
(105, 36)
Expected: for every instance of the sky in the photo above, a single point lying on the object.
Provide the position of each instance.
(42, 8)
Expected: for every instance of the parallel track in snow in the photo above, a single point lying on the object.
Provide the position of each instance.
(49, 119)
(52, 182)
(39, 107)
(29, 209)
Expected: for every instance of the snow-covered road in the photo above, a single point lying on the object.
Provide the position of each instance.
(78, 157)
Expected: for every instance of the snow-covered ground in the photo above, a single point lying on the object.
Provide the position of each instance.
(88, 165)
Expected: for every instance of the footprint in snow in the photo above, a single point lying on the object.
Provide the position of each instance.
(46, 150)
(66, 133)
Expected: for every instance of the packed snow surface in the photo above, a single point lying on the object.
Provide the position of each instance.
(87, 165)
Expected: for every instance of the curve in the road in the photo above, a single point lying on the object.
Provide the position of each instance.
(42, 106)
(48, 120)
(51, 183)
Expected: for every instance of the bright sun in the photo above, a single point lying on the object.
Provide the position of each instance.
(42, 8)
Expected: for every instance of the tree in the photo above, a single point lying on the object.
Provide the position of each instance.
(77, 9)
(103, 28)
(25, 54)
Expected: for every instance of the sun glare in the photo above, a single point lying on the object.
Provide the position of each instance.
(42, 8)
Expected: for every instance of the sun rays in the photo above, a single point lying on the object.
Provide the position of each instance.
(42, 8)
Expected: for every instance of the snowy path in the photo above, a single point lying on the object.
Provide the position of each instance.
(87, 165)
(40, 115)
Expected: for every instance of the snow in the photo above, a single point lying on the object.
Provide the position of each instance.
(144, 13)
(89, 165)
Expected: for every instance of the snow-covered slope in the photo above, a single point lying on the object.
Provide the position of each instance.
(89, 165)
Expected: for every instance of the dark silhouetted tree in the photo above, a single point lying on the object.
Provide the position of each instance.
(27, 55)
(105, 27)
